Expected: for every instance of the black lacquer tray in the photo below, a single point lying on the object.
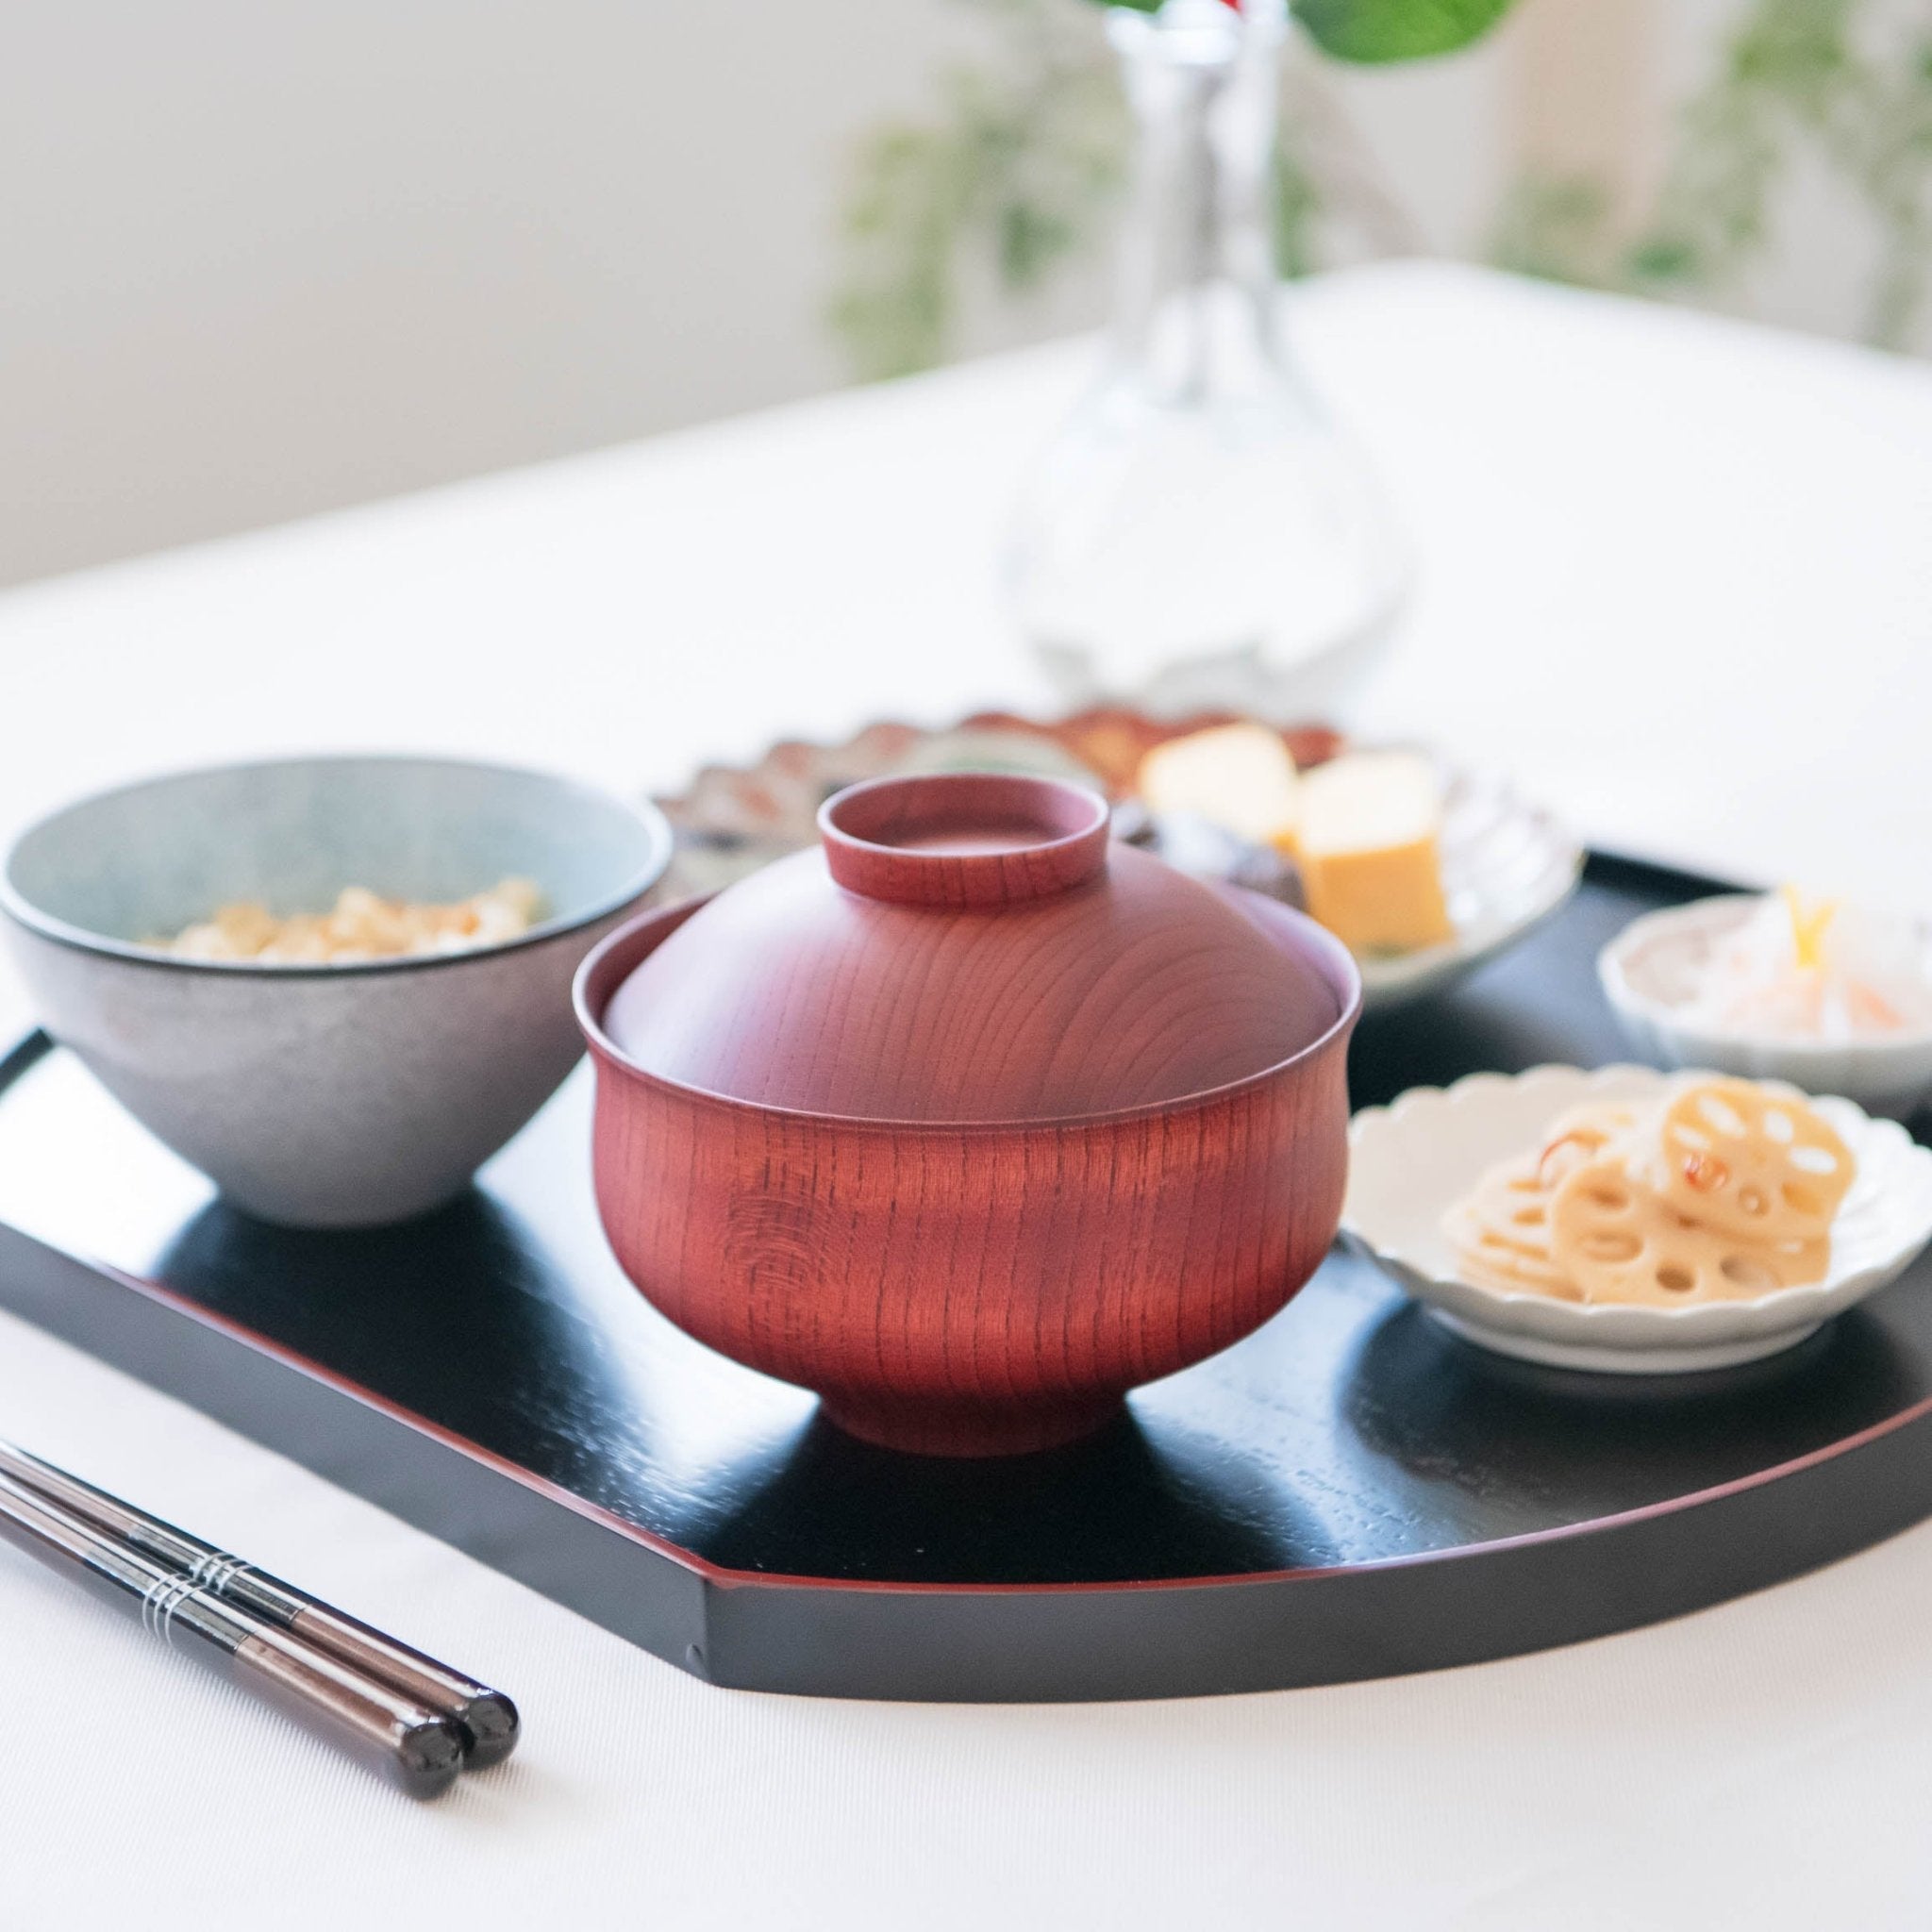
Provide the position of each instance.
(1349, 1494)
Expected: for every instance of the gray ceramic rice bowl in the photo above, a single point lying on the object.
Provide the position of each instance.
(324, 1095)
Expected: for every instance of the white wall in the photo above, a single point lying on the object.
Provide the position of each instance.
(258, 256)
(263, 257)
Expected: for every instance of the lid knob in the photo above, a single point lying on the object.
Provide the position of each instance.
(964, 837)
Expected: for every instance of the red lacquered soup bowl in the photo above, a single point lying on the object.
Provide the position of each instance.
(970, 1121)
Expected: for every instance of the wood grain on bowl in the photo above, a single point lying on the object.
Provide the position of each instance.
(971, 1171)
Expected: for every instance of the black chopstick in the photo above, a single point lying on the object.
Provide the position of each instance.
(485, 1721)
(416, 1747)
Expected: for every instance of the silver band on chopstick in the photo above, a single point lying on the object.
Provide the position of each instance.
(216, 1571)
(159, 1603)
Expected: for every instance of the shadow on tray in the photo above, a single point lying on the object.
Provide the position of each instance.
(459, 1316)
(1407, 1438)
(1126, 1505)
(1449, 1413)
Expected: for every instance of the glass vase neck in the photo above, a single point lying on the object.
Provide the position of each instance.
(1195, 306)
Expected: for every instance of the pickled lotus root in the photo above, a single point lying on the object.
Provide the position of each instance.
(1621, 1241)
(1751, 1161)
(1511, 1201)
(1580, 1134)
(1514, 1274)
(1502, 1235)
(1511, 1204)
(1615, 1205)
(1501, 1232)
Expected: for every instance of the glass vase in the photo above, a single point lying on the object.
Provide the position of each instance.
(1200, 534)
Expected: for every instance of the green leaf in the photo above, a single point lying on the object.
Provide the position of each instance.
(1379, 31)
(1297, 214)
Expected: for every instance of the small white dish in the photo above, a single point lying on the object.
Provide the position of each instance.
(1652, 967)
(1507, 866)
(1411, 1161)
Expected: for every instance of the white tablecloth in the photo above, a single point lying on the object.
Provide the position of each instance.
(1675, 573)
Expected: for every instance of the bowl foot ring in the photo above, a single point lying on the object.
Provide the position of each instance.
(929, 1428)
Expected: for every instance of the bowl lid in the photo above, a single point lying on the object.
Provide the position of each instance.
(970, 947)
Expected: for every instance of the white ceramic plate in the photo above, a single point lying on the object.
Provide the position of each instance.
(1409, 1163)
(1506, 866)
(1650, 968)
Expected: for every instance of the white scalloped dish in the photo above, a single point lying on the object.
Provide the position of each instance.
(1410, 1162)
